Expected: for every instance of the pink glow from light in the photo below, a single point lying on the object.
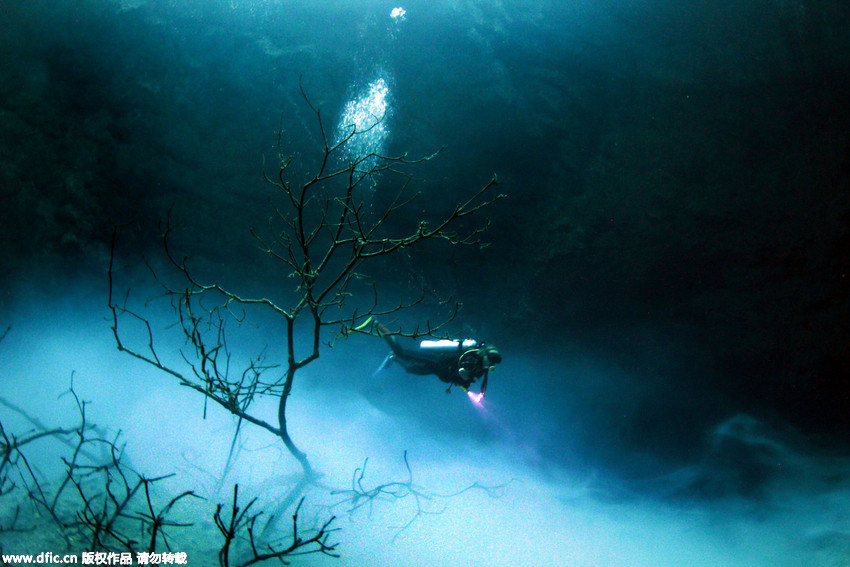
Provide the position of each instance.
(476, 398)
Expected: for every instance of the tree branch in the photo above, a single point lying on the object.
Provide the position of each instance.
(323, 234)
(358, 497)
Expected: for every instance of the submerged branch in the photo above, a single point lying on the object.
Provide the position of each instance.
(358, 496)
(322, 233)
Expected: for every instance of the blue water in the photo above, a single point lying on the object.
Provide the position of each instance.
(665, 278)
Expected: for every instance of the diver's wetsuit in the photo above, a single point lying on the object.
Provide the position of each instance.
(460, 365)
(445, 365)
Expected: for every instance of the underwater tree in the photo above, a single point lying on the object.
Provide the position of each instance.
(100, 505)
(322, 234)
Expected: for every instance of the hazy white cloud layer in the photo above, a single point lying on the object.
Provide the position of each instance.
(538, 512)
(665, 279)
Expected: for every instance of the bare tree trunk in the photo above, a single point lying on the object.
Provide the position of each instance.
(321, 235)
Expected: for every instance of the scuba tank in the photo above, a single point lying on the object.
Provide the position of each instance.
(447, 345)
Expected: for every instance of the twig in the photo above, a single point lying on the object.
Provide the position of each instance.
(358, 496)
(240, 520)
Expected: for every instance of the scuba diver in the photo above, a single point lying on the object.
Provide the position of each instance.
(454, 361)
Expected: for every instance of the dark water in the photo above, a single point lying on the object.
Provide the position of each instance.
(667, 278)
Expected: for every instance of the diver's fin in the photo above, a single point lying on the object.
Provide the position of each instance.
(384, 364)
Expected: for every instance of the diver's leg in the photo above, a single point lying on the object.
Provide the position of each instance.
(412, 360)
(391, 339)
